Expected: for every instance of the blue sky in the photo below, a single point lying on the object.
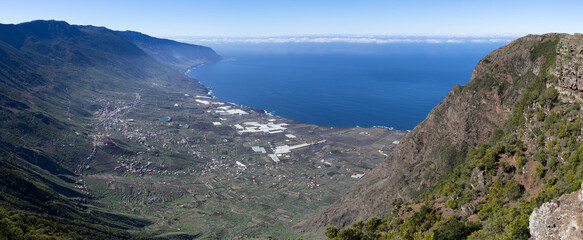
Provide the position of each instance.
(298, 17)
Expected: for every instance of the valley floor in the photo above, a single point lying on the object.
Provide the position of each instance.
(202, 167)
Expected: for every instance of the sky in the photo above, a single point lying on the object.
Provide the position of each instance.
(252, 18)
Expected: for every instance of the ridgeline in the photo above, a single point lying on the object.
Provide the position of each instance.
(102, 136)
(52, 77)
(485, 158)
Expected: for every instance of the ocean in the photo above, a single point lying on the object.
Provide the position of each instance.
(393, 85)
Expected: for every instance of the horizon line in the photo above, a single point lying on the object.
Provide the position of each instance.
(352, 38)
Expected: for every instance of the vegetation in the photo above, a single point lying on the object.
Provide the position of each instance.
(14, 225)
(81, 144)
(48, 95)
(488, 195)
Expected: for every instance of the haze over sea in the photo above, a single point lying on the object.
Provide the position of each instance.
(343, 84)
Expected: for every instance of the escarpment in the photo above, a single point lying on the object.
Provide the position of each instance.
(467, 117)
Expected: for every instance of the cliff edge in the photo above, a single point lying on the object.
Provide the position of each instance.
(466, 118)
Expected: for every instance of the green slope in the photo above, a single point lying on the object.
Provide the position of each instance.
(52, 78)
(536, 156)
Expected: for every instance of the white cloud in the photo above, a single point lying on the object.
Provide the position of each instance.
(384, 39)
(490, 40)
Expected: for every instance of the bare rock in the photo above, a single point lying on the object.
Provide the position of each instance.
(463, 120)
(477, 180)
(558, 219)
(569, 63)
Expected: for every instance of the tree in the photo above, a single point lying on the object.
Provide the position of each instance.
(513, 190)
(350, 234)
(455, 230)
(372, 225)
(331, 232)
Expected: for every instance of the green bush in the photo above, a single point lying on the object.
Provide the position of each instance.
(513, 190)
(505, 166)
(540, 171)
(496, 136)
(541, 157)
(549, 97)
(456, 230)
(331, 232)
(350, 234)
(453, 204)
(520, 161)
(372, 224)
(540, 116)
(540, 140)
(518, 229)
(552, 163)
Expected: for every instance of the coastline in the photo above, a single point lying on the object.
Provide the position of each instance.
(341, 90)
(211, 95)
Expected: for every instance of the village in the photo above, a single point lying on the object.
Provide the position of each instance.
(194, 148)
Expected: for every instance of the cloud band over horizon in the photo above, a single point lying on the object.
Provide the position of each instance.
(346, 39)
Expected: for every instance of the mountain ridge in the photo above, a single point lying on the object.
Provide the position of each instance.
(467, 117)
(180, 56)
(520, 181)
(121, 144)
(68, 97)
(51, 73)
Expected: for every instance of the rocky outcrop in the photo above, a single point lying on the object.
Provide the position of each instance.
(465, 118)
(570, 63)
(559, 219)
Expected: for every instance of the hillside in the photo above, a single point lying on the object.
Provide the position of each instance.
(52, 77)
(180, 56)
(484, 159)
(103, 136)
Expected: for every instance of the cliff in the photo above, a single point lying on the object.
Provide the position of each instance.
(466, 118)
(562, 218)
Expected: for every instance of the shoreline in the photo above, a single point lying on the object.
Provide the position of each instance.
(270, 113)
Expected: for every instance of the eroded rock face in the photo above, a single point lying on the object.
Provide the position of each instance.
(559, 219)
(463, 120)
(570, 63)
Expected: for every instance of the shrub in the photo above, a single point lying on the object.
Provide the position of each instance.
(552, 163)
(372, 224)
(349, 234)
(540, 171)
(331, 232)
(496, 135)
(553, 117)
(518, 229)
(453, 204)
(454, 229)
(540, 140)
(549, 97)
(513, 190)
(520, 161)
(540, 116)
(505, 167)
(541, 157)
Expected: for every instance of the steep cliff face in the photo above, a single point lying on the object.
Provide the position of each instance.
(465, 118)
(570, 64)
(562, 218)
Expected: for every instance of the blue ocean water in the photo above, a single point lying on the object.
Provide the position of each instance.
(342, 84)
